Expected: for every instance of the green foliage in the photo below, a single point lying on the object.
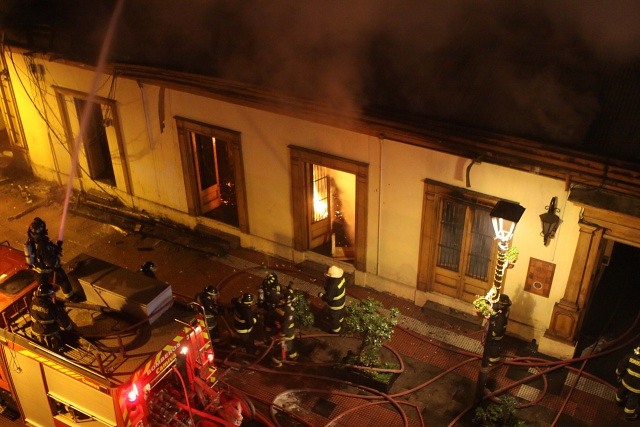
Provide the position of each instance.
(484, 307)
(303, 316)
(499, 415)
(512, 255)
(364, 321)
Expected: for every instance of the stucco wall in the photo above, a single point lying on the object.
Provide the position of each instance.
(396, 174)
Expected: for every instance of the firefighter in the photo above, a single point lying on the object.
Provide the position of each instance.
(334, 296)
(269, 299)
(244, 320)
(148, 269)
(48, 318)
(628, 376)
(498, 328)
(208, 299)
(43, 257)
(285, 345)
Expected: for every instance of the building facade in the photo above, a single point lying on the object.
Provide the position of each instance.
(402, 205)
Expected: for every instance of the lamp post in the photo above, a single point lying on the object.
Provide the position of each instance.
(504, 216)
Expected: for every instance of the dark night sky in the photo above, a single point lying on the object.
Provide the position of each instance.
(562, 71)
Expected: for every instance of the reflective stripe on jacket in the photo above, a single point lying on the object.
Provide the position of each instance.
(287, 322)
(335, 293)
(629, 370)
(243, 320)
(48, 318)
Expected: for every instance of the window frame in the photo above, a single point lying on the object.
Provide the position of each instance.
(184, 127)
(61, 94)
(434, 194)
(300, 157)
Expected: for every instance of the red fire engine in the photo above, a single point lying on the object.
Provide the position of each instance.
(139, 357)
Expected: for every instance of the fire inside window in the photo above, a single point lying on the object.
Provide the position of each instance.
(320, 193)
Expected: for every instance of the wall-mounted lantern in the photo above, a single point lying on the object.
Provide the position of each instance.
(550, 221)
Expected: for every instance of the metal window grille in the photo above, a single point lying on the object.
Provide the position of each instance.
(481, 243)
(452, 229)
(320, 193)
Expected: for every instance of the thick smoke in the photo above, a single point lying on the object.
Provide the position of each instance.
(534, 69)
(542, 69)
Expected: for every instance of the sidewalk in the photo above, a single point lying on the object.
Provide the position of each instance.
(429, 341)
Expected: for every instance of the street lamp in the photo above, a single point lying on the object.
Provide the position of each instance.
(504, 217)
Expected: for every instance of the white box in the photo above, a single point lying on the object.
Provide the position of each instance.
(117, 288)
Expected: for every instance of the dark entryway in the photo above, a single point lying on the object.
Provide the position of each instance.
(96, 144)
(614, 310)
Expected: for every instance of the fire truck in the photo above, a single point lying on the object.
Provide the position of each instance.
(137, 356)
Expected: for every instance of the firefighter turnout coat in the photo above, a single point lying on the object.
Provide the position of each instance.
(335, 293)
(48, 319)
(628, 371)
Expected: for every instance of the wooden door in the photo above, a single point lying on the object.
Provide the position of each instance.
(95, 142)
(465, 250)
(206, 165)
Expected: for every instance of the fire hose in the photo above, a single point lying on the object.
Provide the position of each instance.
(544, 367)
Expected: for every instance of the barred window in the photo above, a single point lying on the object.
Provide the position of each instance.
(320, 193)
(457, 252)
(450, 245)
(481, 245)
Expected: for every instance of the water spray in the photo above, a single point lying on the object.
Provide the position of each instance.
(102, 59)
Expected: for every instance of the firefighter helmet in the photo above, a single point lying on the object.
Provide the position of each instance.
(211, 291)
(247, 298)
(334, 272)
(270, 279)
(38, 228)
(45, 289)
(148, 267)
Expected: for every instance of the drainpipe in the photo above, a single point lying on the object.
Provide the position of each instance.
(468, 172)
(146, 115)
(381, 141)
